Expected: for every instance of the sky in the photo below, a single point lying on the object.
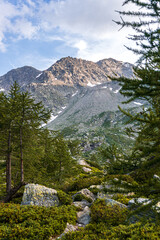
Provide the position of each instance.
(37, 33)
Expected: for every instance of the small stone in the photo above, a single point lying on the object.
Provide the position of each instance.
(156, 177)
(85, 169)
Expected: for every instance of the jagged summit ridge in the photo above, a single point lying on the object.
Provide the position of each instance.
(68, 71)
(56, 85)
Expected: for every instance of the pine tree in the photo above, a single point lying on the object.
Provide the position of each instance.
(145, 87)
(58, 158)
(20, 118)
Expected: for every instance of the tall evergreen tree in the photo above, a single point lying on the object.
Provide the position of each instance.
(20, 117)
(146, 84)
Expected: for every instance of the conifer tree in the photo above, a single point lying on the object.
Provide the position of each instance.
(20, 117)
(146, 84)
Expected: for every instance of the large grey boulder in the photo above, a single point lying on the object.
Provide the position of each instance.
(35, 194)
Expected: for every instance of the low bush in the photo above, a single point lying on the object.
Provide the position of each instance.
(121, 198)
(83, 182)
(80, 197)
(111, 215)
(64, 198)
(33, 222)
(100, 231)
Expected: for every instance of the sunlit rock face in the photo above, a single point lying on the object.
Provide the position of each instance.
(35, 194)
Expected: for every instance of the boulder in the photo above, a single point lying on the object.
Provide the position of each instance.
(86, 193)
(83, 217)
(81, 204)
(35, 194)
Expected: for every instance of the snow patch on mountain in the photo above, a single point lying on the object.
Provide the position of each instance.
(38, 75)
(138, 103)
(89, 84)
(74, 93)
(2, 89)
(116, 91)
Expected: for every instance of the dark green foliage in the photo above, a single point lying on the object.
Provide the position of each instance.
(64, 198)
(111, 215)
(20, 121)
(57, 158)
(80, 197)
(32, 222)
(83, 181)
(97, 231)
(121, 198)
(144, 87)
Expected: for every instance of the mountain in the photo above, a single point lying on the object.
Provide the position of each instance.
(56, 86)
(24, 76)
(83, 99)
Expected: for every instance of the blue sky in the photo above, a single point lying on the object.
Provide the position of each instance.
(39, 32)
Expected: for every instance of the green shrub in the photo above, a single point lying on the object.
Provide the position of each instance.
(112, 215)
(121, 198)
(33, 222)
(80, 197)
(100, 231)
(83, 182)
(64, 198)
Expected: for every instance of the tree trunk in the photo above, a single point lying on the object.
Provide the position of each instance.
(12, 192)
(21, 155)
(8, 164)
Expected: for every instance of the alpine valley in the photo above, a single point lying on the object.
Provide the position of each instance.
(82, 97)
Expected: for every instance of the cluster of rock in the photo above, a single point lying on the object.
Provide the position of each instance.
(38, 195)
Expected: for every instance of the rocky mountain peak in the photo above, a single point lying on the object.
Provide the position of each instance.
(23, 75)
(65, 78)
(116, 68)
(72, 71)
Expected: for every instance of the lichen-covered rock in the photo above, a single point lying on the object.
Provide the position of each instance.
(35, 194)
(83, 217)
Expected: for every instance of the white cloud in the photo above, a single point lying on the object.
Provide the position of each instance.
(85, 25)
(14, 19)
(81, 45)
(88, 18)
